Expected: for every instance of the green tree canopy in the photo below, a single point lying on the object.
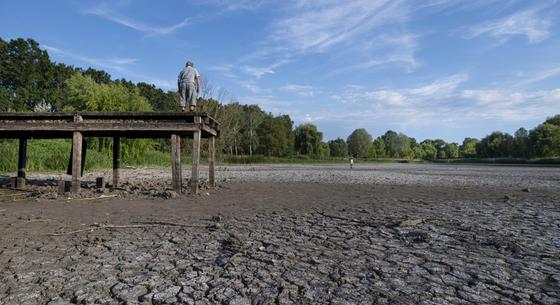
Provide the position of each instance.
(359, 143)
(555, 120)
(429, 149)
(307, 140)
(451, 151)
(338, 148)
(85, 94)
(468, 148)
(378, 149)
(545, 140)
(26, 75)
(495, 145)
(521, 143)
(398, 145)
(275, 136)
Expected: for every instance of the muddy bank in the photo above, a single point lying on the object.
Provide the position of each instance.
(313, 242)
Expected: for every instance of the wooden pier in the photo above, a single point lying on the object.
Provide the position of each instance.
(75, 126)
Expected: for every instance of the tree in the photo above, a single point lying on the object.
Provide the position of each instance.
(324, 151)
(451, 151)
(307, 140)
(439, 145)
(495, 145)
(521, 144)
(401, 146)
(99, 76)
(338, 148)
(230, 117)
(378, 149)
(545, 140)
(430, 151)
(418, 152)
(253, 118)
(389, 139)
(275, 136)
(468, 148)
(359, 143)
(159, 100)
(26, 74)
(555, 120)
(85, 94)
(398, 145)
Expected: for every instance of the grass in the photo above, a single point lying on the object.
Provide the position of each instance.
(53, 155)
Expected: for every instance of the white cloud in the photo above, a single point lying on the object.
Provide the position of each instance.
(235, 5)
(259, 72)
(440, 87)
(225, 70)
(318, 26)
(272, 104)
(302, 90)
(541, 75)
(361, 33)
(116, 64)
(105, 12)
(252, 86)
(524, 23)
(443, 102)
(437, 90)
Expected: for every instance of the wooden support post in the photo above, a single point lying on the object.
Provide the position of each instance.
(116, 160)
(211, 161)
(22, 163)
(195, 162)
(70, 162)
(76, 161)
(100, 183)
(176, 173)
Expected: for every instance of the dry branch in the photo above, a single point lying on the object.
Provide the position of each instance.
(132, 226)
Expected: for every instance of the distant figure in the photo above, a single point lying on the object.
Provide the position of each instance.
(189, 86)
(351, 162)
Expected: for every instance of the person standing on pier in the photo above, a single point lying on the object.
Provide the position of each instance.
(189, 86)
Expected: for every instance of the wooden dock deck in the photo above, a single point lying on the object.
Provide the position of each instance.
(173, 125)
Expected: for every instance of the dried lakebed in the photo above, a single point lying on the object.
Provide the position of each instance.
(321, 234)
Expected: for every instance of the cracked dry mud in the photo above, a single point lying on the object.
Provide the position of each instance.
(381, 234)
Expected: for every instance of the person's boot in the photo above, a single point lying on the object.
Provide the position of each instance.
(192, 108)
(183, 109)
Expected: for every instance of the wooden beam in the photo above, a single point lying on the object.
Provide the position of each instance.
(76, 161)
(176, 172)
(212, 161)
(22, 158)
(90, 126)
(195, 162)
(116, 160)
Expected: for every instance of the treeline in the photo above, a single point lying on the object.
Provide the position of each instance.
(31, 81)
(541, 142)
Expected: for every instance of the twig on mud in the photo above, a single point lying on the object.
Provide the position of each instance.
(134, 226)
(38, 220)
(369, 223)
(100, 197)
(165, 223)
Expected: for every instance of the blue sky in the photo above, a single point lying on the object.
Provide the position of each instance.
(431, 69)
